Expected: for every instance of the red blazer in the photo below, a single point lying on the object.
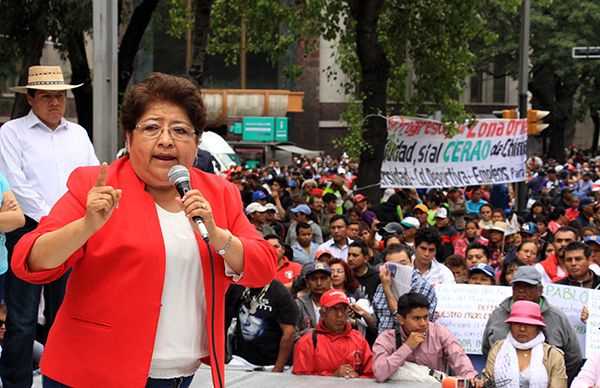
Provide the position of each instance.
(104, 333)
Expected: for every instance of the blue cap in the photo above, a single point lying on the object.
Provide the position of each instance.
(301, 209)
(314, 267)
(484, 268)
(593, 239)
(585, 201)
(529, 228)
(258, 196)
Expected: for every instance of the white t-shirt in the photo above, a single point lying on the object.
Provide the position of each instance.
(181, 337)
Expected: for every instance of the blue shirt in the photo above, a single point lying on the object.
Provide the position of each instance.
(473, 207)
(385, 319)
(4, 186)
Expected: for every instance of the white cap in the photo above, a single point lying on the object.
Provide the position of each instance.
(441, 212)
(410, 222)
(256, 207)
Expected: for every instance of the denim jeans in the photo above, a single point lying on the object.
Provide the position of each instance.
(22, 302)
(178, 382)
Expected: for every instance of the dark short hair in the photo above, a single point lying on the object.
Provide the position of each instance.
(329, 197)
(454, 261)
(411, 301)
(302, 225)
(364, 249)
(273, 237)
(484, 248)
(564, 229)
(577, 245)
(486, 205)
(337, 217)
(395, 248)
(429, 236)
(541, 218)
(159, 87)
(557, 212)
(31, 92)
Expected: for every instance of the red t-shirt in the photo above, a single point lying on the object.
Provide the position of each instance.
(287, 271)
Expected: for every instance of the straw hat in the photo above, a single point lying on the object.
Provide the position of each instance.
(44, 78)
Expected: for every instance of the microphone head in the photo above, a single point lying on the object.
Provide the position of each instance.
(449, 382)
(178, 173)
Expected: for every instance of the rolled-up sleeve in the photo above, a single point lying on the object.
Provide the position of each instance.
(387, 359)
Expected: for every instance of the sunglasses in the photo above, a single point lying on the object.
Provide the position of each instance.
(2, 322)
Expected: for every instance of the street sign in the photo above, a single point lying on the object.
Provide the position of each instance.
(586, 52)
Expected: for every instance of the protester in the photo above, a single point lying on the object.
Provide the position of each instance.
(384, 300)
(458, 266)
(470, 235)
(287, 270)
(482, 274)
(527, 285)
(11, 218)
(318, 280)
(478, 253)
(524, 358)
(161, 291)
(38, 152)
(264, 331)
(258, 217)
(339, 242)
(304, 248)
(302, 214)
(358, 261)
(420, 341)
(553, 268)
(426, 242)
(410, 225)
(333, 348)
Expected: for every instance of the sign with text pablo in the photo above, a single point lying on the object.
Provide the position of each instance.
(418, 154)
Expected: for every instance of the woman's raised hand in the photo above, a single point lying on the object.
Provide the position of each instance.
(101, 201)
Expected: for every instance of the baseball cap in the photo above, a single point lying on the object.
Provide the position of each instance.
(441, 212)
(317, 192)
(528, 228)
(271, 207)
(322, 252)
(258, 196)
(358, 198)
(592, 239)
(483, 268)
(393, 227)
(527, 274)
(333, 297)
(410, 222)
(255, 207)
(301, 209)
(314, 267)
(421, 207)
(586, 201)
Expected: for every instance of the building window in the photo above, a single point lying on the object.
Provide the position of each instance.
(500, 89)
(477, 87)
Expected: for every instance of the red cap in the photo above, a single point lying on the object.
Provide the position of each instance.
(317, 192)
(332, 297)
(321, 252)
(359, 197)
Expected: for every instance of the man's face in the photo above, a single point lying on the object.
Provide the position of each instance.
(317, 204)
(578, 266)
(541, 227)
(425, 253)
(352, 231)
(595, 257)
(575, 202)
(460, 274)
(409, 233)
(416, 320)
(399, 258)
(561, 240)
(278, 247)
(355, 258)
(526, 291)
(318, 282)
(335, 317)
(441, 222)
(496, 236)
(49, 106)
(421, 216)
(588, 210)
(305, 236)
(331, 206)
(361, 204)
(476, 256)
(259, 218)
(476, 196)
(338, 230)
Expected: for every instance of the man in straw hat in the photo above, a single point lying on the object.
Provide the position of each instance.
(38, 152)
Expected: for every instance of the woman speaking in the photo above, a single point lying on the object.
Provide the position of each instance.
(144, 306)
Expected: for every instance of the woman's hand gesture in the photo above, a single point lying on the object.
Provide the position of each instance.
(101, 201)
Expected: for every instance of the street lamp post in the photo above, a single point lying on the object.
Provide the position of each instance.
(523, 86)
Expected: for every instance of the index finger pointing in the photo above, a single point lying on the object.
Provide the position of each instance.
(102, 175)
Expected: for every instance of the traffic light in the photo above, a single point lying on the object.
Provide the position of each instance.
(510, 114)
(535, 125)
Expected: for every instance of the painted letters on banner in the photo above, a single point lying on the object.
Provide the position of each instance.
(418, 154)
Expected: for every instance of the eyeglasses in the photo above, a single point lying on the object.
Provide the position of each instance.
(2, 322)
(179, 132)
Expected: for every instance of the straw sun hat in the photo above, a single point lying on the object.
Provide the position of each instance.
(44, 78)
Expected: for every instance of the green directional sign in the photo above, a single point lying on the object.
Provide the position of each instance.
(258, 129)
(281, 129)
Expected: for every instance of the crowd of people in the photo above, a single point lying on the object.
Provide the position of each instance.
(317, 279)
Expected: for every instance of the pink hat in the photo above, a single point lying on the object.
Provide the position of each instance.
(525, 311)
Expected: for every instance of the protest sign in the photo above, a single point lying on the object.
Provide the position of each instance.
(570, 300)
(418, 154)
(465, 308)
(593, 333)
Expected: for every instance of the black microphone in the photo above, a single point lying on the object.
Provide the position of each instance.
(179, 176)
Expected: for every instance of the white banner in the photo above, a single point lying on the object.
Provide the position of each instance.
(464, 309)
(417, 154)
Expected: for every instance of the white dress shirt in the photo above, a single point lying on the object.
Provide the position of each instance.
(438, 273)
(38, 161)
(340, 253)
